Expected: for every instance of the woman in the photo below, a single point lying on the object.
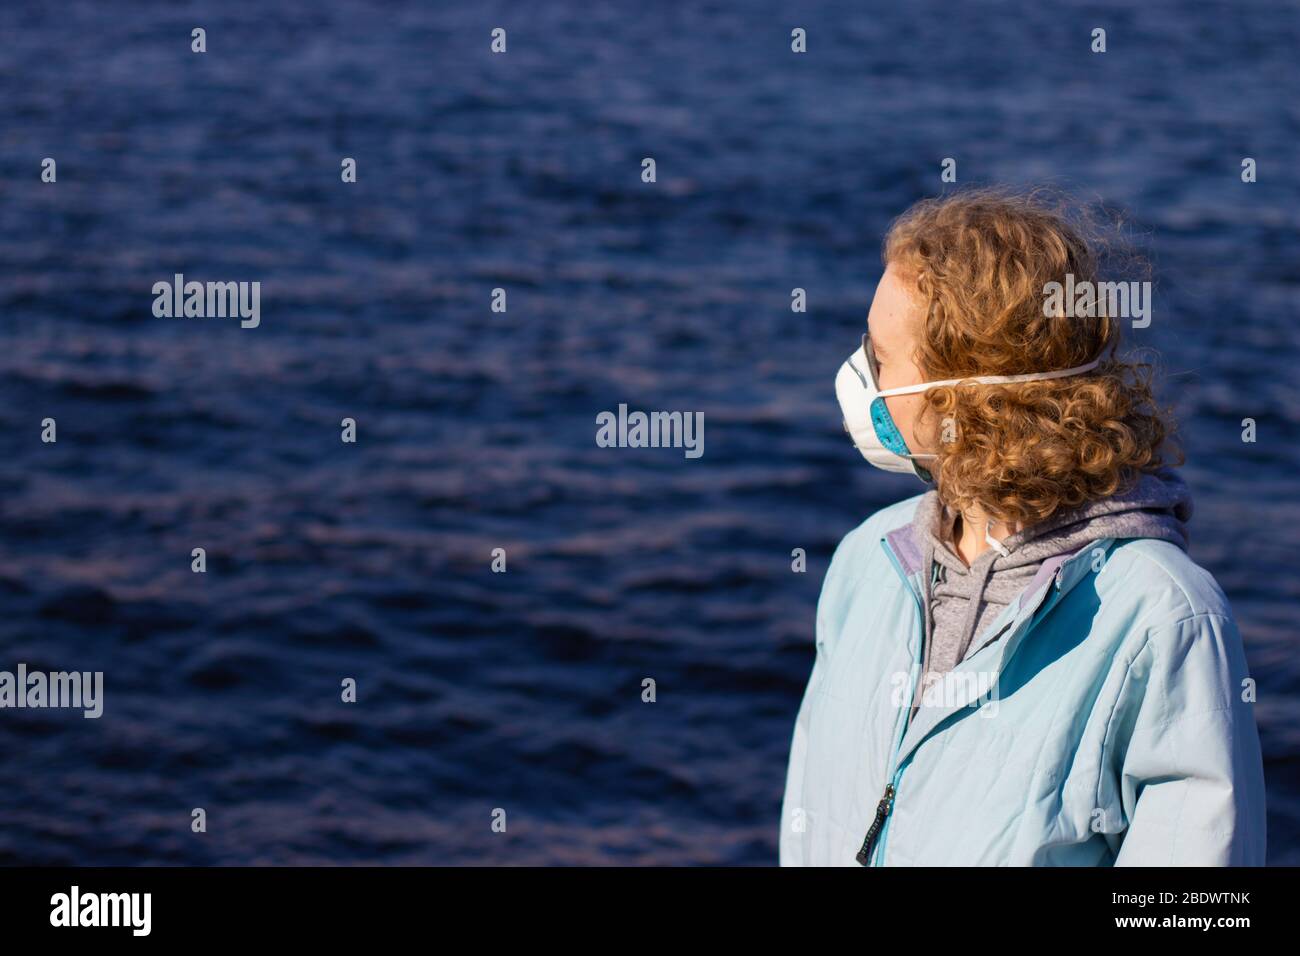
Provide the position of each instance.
(1022, 665)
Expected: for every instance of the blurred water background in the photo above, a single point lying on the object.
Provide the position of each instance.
(476, 429)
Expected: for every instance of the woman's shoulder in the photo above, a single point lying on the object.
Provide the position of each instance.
(1161, 577)
(863, 542)
(860, 570)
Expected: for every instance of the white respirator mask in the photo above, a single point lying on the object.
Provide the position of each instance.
(866, 414)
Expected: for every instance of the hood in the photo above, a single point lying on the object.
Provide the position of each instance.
(1159, 505)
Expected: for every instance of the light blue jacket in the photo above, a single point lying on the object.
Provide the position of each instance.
(1110, 723)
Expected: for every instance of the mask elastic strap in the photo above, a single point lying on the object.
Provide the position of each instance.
(994, 542)
(991, 379)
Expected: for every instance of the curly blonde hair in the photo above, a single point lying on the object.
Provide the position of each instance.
(978, 261)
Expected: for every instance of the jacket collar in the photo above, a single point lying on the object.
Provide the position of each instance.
(976, 677)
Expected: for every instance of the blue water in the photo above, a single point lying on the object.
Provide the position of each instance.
(326, 560)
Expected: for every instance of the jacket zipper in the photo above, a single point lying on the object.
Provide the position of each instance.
(880, 825)
(882, 812)
(884, 832)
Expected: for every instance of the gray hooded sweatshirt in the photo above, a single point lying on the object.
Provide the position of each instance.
(963, 601)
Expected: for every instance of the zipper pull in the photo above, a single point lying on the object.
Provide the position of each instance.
(882, 811)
